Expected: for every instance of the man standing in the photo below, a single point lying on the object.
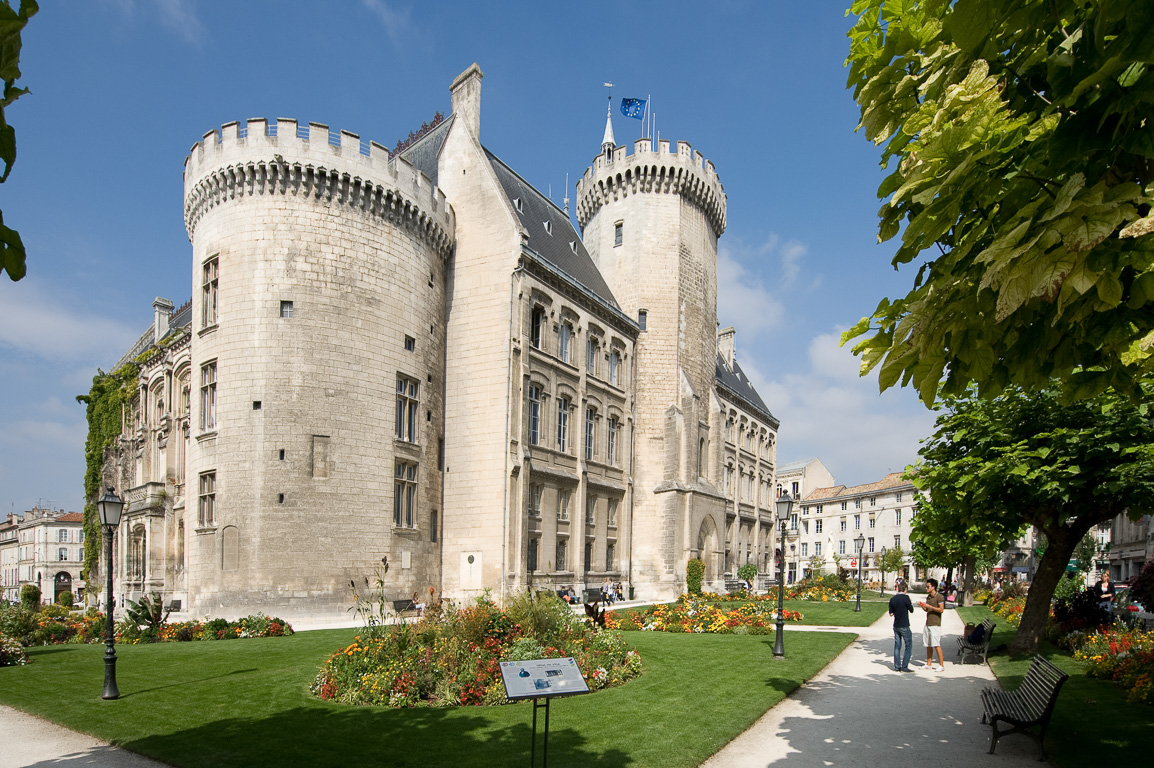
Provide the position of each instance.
(934, 605)
(900, 609)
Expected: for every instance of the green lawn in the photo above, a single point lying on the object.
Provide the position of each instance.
(246, 703)
(814, 613)
(1093, 724)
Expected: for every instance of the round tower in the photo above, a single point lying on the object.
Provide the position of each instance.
(650, 221)
(317, 369)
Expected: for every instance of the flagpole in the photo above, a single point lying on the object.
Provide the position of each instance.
(645, 120)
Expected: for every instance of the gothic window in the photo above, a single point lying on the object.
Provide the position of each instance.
(534, 415)
(563, 424)
(590, 431)
(208, 397)
(611, 450)
(206, 515)
(612, 513)
(408, 407)
(535, 492)
(532, 555)
(208, 298)
(610, 555)
(537, 328)
(565, 342)
(562, 554)
(405, 494)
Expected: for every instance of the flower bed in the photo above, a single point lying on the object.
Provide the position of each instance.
(48, 628)
(758, 616)
(819, 592)
(451, 657)
(1125, 656)
(12, 654)
(1008, 608)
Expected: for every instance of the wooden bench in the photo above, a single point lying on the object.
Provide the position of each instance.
(965, 647)
(1029, 706)
(734, 585)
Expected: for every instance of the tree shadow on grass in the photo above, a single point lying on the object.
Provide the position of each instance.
(342, 736)
(125, 695)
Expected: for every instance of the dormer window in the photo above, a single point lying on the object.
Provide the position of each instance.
(573, 246)
(517, 204)
(549, 227)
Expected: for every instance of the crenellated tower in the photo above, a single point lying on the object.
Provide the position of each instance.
(318, 302)
(651, 220)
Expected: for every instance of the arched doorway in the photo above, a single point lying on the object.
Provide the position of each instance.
(707, 547)
(62, 584)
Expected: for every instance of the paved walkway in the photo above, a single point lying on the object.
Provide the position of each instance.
(860, 711)
(857, 711)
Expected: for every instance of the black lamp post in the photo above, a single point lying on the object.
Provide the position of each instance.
(859, 543)
(783, 506)
(109, 508)
(882, 565)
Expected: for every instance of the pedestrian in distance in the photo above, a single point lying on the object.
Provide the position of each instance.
(900, 608)
(1105, 592)
(934, 605)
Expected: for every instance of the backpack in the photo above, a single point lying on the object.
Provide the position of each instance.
(976, 636)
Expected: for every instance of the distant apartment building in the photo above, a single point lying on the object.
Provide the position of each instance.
(1131, 545)
(49, 552)
(9, 559)
(824, 528)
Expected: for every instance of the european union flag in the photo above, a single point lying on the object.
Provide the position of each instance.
(633, 108)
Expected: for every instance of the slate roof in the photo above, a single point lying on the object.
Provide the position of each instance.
(734, 380)
(562, 247)
(423, 154)
(792, 466)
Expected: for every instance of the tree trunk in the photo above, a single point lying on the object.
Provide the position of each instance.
(966, 598)
(1050, 569)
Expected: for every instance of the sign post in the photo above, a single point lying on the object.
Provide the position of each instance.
(538, 679)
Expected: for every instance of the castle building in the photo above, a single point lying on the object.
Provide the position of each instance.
(414, 357)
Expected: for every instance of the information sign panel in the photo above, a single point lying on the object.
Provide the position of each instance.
(542, 678)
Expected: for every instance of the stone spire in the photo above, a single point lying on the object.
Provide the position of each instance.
(607, 143)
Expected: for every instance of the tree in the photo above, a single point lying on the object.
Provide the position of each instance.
(11, 24)
(939, 541)
(999, 464)
(816, 563)
(892, 561)
(1085, 552)
(1024, 179)
(1142, 589)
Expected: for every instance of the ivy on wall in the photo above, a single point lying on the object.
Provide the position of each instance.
(106, 402)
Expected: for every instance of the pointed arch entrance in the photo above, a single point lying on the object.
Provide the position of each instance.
(707, 547)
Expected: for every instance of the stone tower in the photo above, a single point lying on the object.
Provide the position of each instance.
(318, 303)
(650, 220)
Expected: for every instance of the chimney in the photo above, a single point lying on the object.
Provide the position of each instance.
(466, 93)
(161, 317)
(726, 345)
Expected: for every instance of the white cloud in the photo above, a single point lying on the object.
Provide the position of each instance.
(742, 300)
(37, 322)
(828, 411)
(396, 22)
(180, 17)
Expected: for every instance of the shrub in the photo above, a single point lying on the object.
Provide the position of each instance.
(747, 573)
(1142, 589)
(1069, 586)
(30, 597)
(149, 613)
(65, 599)
(12, 653)
(54, 611)
(694, 573)
(452, 657)
(1080, 611)
(17, 622)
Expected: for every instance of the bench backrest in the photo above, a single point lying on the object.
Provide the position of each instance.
(1041, 686)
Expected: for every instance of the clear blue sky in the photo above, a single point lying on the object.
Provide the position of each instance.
(122, 88)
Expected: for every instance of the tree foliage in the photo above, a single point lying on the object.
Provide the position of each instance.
(893, 560)
(997, 465)
(11, 25)
(1022, 144)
